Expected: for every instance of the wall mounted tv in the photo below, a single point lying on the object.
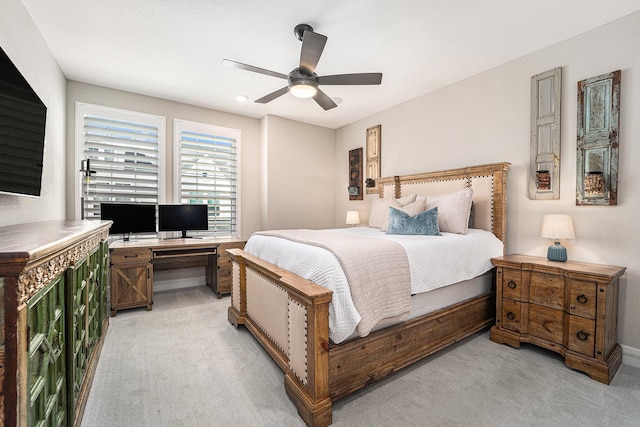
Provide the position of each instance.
(129, 218)
(182, 218)
(22, 129)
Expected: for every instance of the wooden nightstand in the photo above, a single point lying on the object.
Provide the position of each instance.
(567, 307)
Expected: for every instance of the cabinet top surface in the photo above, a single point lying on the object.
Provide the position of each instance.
(610, 271)
(204, 242)
(25, 242)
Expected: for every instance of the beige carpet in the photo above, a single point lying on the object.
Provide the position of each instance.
(183, 364)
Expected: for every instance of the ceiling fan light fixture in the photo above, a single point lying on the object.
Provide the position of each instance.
(303, 89)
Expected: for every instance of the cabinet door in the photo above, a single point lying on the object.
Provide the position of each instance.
(46, 373)
(131, 278)
(77, 288)
(94, 322)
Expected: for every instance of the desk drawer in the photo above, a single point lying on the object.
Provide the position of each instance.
(131, 256)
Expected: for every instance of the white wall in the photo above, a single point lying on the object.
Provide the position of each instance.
(249, 145)
(485, 119)
(298, 174)
(22, 42)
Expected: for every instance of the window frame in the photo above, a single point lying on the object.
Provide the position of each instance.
(84, 108)
(206, 128)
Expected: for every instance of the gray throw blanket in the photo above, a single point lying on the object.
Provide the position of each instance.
(377, 271)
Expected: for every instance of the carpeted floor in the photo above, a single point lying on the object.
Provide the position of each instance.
(183, 364)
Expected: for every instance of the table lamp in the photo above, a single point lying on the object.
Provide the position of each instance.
(353, 218)
(557, 226)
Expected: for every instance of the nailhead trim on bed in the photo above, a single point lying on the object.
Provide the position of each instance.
(292, 306)
(255, 321)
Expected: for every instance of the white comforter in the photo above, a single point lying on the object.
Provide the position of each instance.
(434, 262)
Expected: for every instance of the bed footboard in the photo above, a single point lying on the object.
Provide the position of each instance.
(289, 316)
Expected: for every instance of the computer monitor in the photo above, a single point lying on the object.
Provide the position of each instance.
(129, 218)
(183, 218)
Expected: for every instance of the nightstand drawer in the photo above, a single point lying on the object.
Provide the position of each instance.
(546, 323)
(583, 299)
(511, 284)
(511, 315)
(547, 290)
(582, 335)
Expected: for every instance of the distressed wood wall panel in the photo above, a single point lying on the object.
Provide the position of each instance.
(544, 177)
(598, 140)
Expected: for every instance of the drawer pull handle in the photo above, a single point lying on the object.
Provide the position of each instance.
(510, 315)
(582, 299)
(131, 256)
(582, 336)
(511, 284)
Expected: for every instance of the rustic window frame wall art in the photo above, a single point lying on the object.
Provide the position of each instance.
(544, 176)
(598, 140)
(355, 174)
(373, 157)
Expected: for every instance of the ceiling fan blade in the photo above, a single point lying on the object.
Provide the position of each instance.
(351, 79)
(240, 65)
(324, 101)
(273, 95)
(312, 47)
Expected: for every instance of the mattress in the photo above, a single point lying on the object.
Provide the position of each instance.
(434, 262)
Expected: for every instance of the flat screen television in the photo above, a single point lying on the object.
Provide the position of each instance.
(182, 218)
(129, 218)
(22, 129)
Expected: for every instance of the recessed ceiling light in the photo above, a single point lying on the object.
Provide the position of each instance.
(242, 98)
(337, 100)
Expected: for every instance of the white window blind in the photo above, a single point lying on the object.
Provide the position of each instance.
(124, 151)
(207, 171)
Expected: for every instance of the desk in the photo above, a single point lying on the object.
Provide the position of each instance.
(132, 264)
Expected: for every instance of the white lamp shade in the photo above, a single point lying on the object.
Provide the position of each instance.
(353, 217)
(557, 226)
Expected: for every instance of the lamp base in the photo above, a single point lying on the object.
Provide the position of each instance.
(557, 252)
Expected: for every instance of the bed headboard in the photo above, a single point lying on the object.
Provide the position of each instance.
(489, 184)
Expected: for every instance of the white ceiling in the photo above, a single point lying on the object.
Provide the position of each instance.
(173, 49)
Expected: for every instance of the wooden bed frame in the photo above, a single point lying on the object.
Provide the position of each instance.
(288, 315)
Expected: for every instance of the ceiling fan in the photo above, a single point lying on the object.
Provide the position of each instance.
(303, 81)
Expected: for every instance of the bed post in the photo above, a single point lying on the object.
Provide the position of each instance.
(312, 399)
(237, 311)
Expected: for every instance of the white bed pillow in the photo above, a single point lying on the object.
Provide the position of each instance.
(380, 209)
(411, 209)
(453, 210)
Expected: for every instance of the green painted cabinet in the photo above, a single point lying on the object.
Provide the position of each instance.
(53, 296)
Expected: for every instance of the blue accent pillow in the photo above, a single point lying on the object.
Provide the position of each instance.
(424, 223)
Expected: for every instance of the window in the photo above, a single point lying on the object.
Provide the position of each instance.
(125, 151)
(207, 171)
